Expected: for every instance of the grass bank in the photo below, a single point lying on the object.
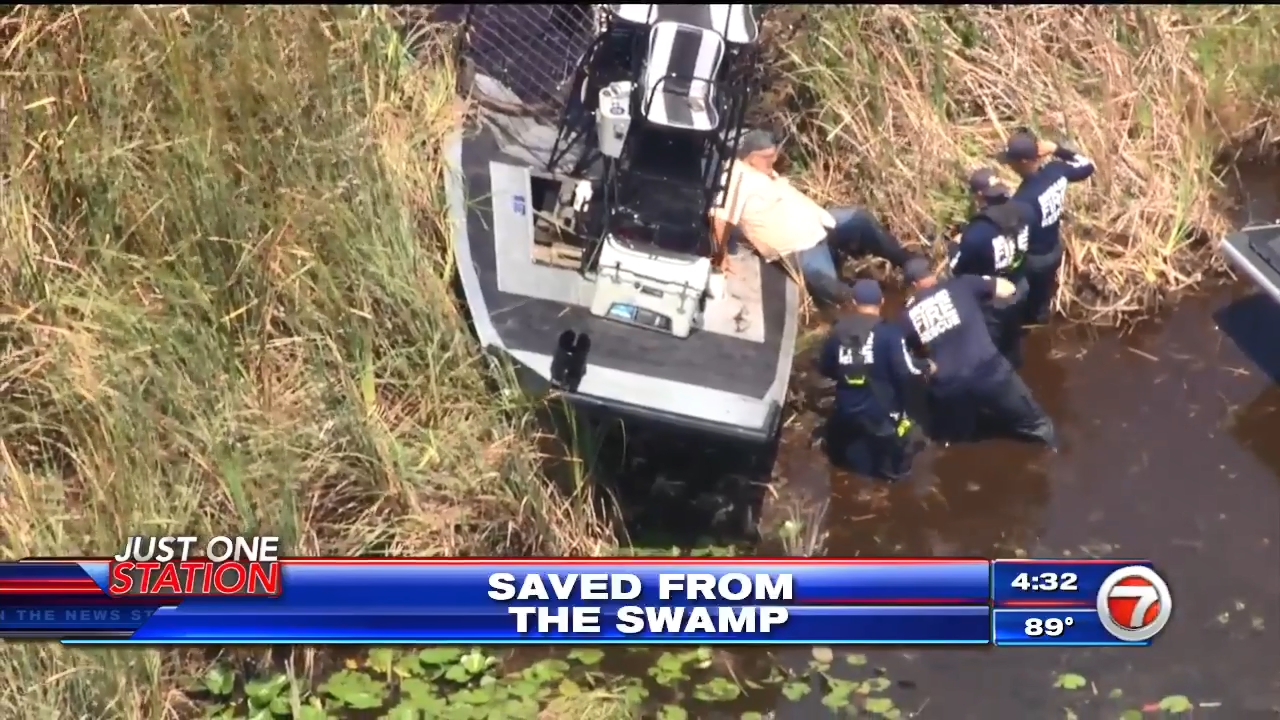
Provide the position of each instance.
(891, 104)
(224, 301)
(225, 307)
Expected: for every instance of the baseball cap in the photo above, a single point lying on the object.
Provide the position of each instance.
(1022, 145)
(986, 183)
(867, 292)
(916, 269)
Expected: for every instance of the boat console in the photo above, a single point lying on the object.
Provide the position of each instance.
(663, 94)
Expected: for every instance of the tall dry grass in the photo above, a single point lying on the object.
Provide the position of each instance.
(225, 308)
(893, 103)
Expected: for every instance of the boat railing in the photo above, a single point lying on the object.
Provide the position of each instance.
(531, 50)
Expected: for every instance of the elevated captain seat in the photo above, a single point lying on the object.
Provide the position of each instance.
(735, 22)
(665, 153)
(679, 82)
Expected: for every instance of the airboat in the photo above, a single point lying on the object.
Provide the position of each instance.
(1255, 251)
(580, 188)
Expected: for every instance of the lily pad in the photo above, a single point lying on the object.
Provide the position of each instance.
(439, 656)
(476, 662)
(463, 712)
(409, 666)
(523, 687)
(751, 715)
(1070, 681)
(669, 669)
(587, 656)
(634, 693)
(382, 660)
(279, 705)
(879, 706)
(457, 673)
(1176, 704)
(838, 696)
(262, 692)
(420, 693)
(403, 711)
(717, 690)
(478, 696)
(1131, 715)
(673, 712)
(856, 659)
(355, 689)
(219, 681)
(876, 684)
(311, 712)
(547, 670)
(796, 690)
(568, 688)
(823, 655)
(517, 708)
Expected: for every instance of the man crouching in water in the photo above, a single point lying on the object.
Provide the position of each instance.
(971, 377)
(869, 431)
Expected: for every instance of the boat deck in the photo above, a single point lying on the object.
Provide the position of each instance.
(730, 376)
(1256, 252)
(531, 305)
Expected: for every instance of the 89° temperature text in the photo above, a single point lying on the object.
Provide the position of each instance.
(1050, 626)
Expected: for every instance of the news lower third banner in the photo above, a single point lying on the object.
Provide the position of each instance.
(505, 602)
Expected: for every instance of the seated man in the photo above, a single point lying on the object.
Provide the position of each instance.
(781, 222)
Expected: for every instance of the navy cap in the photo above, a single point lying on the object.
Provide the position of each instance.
(1022, 145)
(916, 269)
(986, 183)
(867, 292)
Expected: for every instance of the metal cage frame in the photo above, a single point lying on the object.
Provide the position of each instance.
(499, 46)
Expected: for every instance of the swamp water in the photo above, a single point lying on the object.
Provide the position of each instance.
(1171, 451)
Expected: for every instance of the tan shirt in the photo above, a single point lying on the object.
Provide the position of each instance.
(774, 216)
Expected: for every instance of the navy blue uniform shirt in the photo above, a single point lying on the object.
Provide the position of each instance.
(887, 364)
(1045, 190)
(947, 319)
(984, 249)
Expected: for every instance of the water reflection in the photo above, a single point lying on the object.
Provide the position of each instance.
(1255, 428)
(1173, 453)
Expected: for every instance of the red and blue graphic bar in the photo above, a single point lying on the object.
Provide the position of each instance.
(928, 601)
(385, 601)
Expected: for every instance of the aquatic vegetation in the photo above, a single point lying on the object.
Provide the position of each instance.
(458, 684)
(1076, 685)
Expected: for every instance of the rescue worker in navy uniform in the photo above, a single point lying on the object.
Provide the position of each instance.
(869, 431)
(994, 243)
(1046, 170)
(970, 375)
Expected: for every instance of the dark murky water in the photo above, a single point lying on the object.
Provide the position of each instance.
(1171, 452)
